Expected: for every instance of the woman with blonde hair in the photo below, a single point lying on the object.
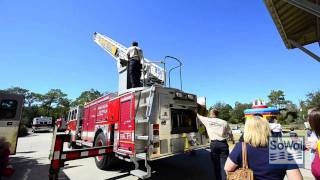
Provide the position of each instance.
(256, 139)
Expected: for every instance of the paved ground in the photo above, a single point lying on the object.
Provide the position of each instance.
(31, 163)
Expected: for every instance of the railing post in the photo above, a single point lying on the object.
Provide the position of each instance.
(55, 154)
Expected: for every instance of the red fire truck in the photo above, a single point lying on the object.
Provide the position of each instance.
(145, 123)
(74, 124)
(61, 124)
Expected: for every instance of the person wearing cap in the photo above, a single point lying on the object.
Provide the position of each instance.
(135, 58)
(218, 131)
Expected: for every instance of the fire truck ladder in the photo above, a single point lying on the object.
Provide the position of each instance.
(58, 156)
(145, 155)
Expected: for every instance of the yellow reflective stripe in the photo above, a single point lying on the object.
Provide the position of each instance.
(114, 50)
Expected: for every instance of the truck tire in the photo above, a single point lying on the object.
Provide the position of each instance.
(104, 162)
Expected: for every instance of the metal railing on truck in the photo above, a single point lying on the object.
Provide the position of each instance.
(58, 157)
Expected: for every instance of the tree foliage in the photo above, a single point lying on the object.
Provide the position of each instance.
(87, 96)
(224, 110)
(55, 103)
(237, 114)
(313, 99)
(288, 110)
(277, 99)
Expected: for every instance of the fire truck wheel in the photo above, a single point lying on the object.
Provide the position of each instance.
(106, 161)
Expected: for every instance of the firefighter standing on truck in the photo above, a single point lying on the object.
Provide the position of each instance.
(135, 58)
(218, 132)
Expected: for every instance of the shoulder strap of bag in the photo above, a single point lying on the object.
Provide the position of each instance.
(318, 147)
(244, 156)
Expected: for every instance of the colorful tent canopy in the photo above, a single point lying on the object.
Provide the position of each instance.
(269, 110)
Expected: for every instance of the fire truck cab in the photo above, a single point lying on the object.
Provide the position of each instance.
(61, 124)
(74, 124)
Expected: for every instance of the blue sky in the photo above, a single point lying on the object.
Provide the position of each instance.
(231, 50)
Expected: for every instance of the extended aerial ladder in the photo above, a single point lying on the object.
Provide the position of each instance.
(152, 73)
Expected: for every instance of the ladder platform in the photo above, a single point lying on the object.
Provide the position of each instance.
(144, 104)
(139, 173)
(141, 156)
(139, 137)
(142, 121)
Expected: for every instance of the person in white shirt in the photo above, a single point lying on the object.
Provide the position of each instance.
(135, 58)
(275, 127)
(218, 131)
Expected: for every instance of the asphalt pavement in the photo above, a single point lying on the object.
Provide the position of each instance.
(31, 163)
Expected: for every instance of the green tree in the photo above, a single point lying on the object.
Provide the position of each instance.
(33, 97)
(21, 91)
(313, 99)
(288, 110)
(17, 90)
(237, 114)
(291, 111)
(87, 96)
(303, 111)
(52, 99)
(277, 98)
(62, 108)
(224, 110)
(29, 97)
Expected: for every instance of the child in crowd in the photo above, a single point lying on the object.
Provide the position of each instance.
(292, 133)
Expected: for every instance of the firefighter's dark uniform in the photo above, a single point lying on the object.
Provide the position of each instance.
(135, 57)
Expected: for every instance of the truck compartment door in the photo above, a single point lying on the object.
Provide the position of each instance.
(126, 125)
(85, 123)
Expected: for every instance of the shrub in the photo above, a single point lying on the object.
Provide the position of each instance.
(23, 130)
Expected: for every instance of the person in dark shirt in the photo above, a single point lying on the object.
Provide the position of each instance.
(292, 133)
(256, 137)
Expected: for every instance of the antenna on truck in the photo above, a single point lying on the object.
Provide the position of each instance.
(178, 66)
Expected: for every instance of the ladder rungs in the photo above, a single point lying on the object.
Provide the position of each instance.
(143, 104)
(142, 121)
(141, 156)
(139, 173)
(142, 137)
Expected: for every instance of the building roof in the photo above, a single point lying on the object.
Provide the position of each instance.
(294, 23)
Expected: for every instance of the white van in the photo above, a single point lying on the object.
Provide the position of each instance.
(42, 123)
